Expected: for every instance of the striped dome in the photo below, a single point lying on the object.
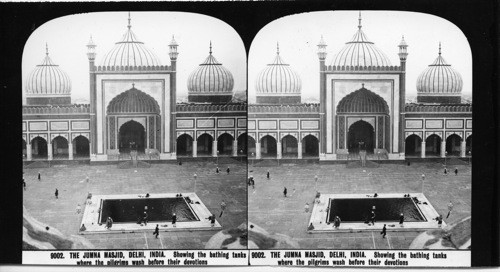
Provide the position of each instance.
(47, 79)
(133, 101)
(362, 101)
(278, 78)
(130, 52)
(360, 52)
(439, 78)
(211, 78)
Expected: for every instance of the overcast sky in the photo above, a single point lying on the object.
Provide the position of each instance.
(298, 36)
(68, 36)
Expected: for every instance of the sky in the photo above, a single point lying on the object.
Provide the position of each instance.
(68, 36)
(298, 36)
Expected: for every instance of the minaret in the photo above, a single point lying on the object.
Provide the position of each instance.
(173, 92)
(403, 54)
(93, 121)
(322, 93)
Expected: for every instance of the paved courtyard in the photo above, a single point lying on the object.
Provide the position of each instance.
(277, 214)
(212, 188)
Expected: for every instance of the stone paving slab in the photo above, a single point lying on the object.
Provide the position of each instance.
(61, 213)
(269, 209)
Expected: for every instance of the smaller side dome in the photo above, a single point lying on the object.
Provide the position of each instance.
(362, 101)
(133, 101)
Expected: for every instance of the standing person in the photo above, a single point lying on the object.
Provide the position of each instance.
(450, 208)
(157, 231)
(24, 185)
(217, 170)
(306, 207)
(372, 218)
(56, 193)
(222, 207)
(195, 176)
(109, 223)
(384, 231)
(227, 170)
(316, 178)
(439, 219)
(78, 208)
(423, 176)
(39, 177)
(145, 218)
(445, 171)
(87, 178)
(284, 192)
(456, 171)
(268, 175)
(212, 220)
(401, 220)
(336, 222)
(174, 220)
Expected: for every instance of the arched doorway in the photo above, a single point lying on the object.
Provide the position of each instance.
(413, 145)
(453, 145)
(310, 146)
(289, 146)
(433, 145)
(132, 136)
(252, 151)
(24, 149)
(185, 145)
(204, 145)
(39, 148)
(242, 144)
(60, 148)
(225, 144)
(81, 147)
(361, 136)
(268, 146)
(468, 145)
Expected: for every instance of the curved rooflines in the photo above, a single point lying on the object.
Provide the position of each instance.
(362, 101)
(133, 101)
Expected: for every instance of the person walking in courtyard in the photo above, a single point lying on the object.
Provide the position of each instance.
(306, 207)
(195, 176)
(450, 208)
(316, 178)
(336, 222)
(24, 185)
(39, 177)
(401, 220)
(222, 207)
(78, 208)
(212, 220)
(109, 223)
(423, 176)
(157, 231)
(456, 171)
(384, 231)
(87, 179)
(217, 170)
(268, 175)
(56, 193)
(284, 192)
(372, 218)
(145, 218)
(445, 171)
(228, 170)
(174, 220)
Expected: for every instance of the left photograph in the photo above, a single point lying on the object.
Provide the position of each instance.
(134, 133)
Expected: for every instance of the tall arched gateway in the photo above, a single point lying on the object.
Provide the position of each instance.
(363, 122)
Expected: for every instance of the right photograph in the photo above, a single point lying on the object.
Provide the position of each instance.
(360, 132)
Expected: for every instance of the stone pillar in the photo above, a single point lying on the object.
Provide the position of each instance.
(70, 151)
(49, 151)
(257, 151)
(443, 148)
(463, 148)
(278, 151)
(235, 148)
(28, 152)
(214, 148)
(195, 149)
(422, 149)
(299, 150)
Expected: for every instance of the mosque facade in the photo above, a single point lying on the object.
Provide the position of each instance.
(133, 108)
(362, 105)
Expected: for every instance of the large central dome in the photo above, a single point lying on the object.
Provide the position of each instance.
(130, 52)
(360, 52)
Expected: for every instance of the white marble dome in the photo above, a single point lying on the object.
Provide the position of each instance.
(278, 78)
(211, 77)
(47, 79)
(439, 78)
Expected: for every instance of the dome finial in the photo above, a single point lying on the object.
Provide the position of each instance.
(210, 48)
(277, 48)
(440, 48)
(359, 20)
(133, 85)
(129, 25)
(46, 49)
(362, 85)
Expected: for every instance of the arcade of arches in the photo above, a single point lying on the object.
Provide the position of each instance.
(225, 145)
(436, 147)
(57, 149)
(288, 148)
